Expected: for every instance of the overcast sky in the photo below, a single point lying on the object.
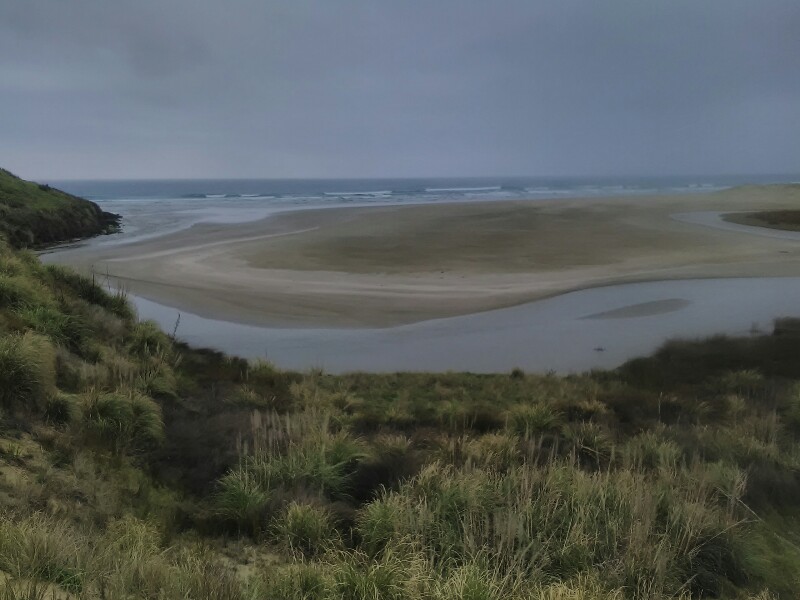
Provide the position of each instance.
(371, 88)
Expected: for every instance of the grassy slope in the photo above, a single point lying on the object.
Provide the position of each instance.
(132, 466)
(32, 215)
(130, 463)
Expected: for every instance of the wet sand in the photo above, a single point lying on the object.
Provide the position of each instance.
(379, 267)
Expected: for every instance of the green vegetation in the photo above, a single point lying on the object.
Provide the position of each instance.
(774, 219)
(33, 215)
(133, 466)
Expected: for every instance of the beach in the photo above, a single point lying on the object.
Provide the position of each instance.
(391, 265)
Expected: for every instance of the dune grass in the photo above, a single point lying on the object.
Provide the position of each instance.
(133, 466)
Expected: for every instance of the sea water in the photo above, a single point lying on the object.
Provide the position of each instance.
(155, 207)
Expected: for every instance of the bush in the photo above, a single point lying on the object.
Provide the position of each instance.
(27, 371)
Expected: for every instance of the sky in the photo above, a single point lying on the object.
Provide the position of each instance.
(398, 88)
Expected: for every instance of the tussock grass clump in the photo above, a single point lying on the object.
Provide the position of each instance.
(323, 463)
(242, 501)
(649, 451)
(377, 526)
(61, 328)
(495, 450)
(557, 522)
(62, 409)
(305, 529)
(394, 576)
(45, 549)
(592, 442)
(537, 418)
(299, 581)
(125, 420)
(147, 339)
(18, 291)
(87, 289)
(27, 371)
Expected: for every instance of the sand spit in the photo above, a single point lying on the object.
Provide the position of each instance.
(384, 266)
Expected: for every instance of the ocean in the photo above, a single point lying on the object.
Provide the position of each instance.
(155, 207)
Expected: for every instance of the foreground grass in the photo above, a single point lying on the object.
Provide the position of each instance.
(132, 466)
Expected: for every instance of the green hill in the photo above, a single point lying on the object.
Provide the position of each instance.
(133, 466)
(33, 215)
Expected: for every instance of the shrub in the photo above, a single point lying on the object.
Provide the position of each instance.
(27, 371)
(305, 529)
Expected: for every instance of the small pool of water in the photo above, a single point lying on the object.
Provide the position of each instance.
(578, 331)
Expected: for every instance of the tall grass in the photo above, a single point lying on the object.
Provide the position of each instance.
(27, 371)
(124, 420)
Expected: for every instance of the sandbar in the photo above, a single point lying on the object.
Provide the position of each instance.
(390, 265)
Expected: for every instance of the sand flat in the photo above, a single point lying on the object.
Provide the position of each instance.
(401, 264)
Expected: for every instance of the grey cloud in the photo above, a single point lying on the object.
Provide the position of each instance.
(91, 88)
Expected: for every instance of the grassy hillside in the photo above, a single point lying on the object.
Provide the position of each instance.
(132, 466)
(33, 215)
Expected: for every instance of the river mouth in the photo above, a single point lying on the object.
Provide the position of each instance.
(598, 328)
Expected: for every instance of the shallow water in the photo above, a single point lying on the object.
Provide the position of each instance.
(594, 328)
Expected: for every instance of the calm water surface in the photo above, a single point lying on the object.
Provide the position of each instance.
(595, 328)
